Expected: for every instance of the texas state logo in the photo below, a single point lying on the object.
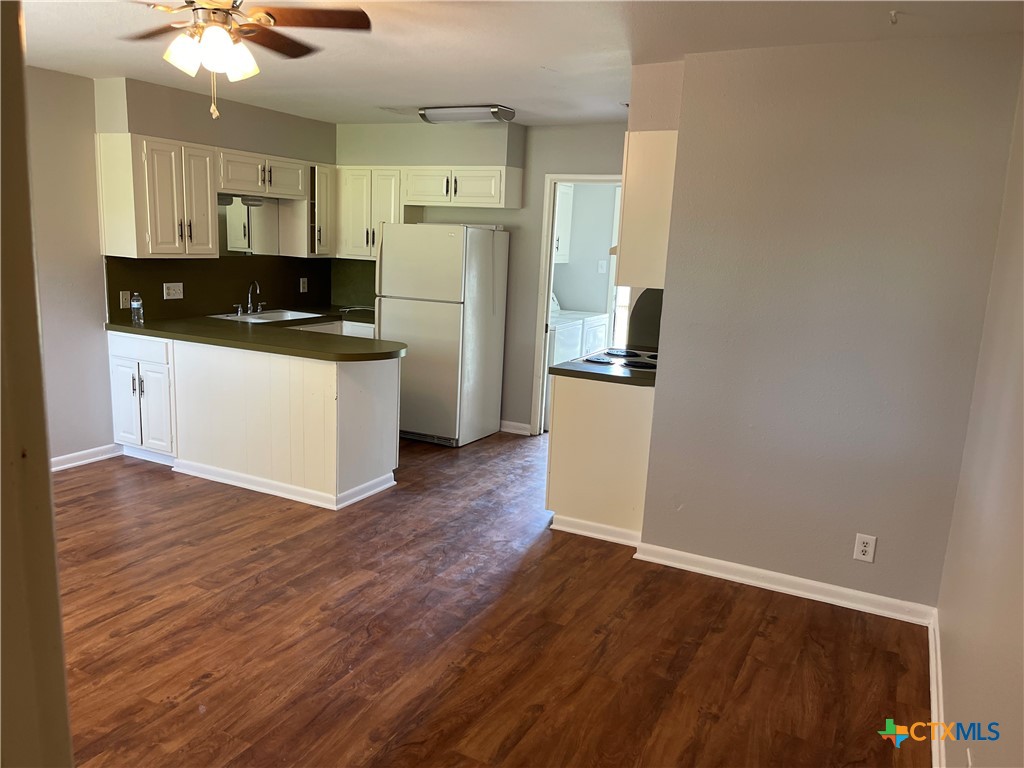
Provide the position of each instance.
(897, 734)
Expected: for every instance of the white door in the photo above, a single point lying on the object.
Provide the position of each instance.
(243, 173)
(477, 187)
(238, 226)
(355, 213)
(165, 198)
(200, 203)
(560, 241)
(155, 399)
(426, 186)
(286, 179)
(386, 205)
(323, 232)
(423, 261)
(124, 399)
(431, 369)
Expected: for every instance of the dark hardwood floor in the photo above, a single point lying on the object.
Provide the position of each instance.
(441, 623)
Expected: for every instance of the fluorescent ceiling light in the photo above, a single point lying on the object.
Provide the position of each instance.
(481, 113)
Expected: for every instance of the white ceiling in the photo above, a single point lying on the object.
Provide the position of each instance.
(554, 62)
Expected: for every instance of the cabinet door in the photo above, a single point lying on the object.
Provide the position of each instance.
(560, 237)
(323, 212)
(200, 203)
(165, 198)
(648, 179)
(595, 334)
(155, 401)
(355, 213)
(426, 186)
(238, 226)
(476, 187)
(286, 179)
(243, 173)
(386, 205)
(124, 399)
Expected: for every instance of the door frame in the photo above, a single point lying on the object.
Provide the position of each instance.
(546, 279)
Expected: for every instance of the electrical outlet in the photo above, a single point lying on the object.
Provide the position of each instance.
(174, 291)
(303, 285)
(864, 548)
(126, 299)
(602, 267)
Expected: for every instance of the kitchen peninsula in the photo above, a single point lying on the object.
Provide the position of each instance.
(306, 416)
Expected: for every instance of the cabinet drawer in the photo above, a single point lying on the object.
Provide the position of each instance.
(144, 349)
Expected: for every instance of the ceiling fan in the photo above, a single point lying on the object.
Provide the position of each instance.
(214, 35)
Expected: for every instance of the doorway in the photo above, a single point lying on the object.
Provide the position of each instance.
(577, 296)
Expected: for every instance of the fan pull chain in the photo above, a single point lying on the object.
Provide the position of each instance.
(214, 112)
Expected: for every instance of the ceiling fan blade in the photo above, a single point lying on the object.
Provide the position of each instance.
(164, 30)
(275, 41)
(332, 18)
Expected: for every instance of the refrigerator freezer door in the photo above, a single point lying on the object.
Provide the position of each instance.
(422, 261)
(431, 369)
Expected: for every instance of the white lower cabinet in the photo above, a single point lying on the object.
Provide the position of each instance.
(141, 392)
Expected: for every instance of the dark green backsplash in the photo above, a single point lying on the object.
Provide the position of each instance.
(352, 283)
(211, 286)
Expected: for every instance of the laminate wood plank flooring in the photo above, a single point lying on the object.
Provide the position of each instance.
(442, 623)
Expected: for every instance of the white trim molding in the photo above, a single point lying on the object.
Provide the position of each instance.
(880, 605)
(595, 530)
(57, 463)
(133, 452)
(935, 680)
(515, 428)
(285, 490)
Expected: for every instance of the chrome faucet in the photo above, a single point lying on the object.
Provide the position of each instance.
(254, 284)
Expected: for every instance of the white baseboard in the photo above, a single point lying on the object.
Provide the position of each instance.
(285, 490)
(915, 613)
(57, 463)
(141, 453)
(595, 530)
(515, 428)
(360, 492)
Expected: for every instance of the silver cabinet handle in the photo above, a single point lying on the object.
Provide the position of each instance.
(190, 230)
(133, 383)
(181, 229)
(245, 231)
(447, 184)
(270, 175)
(373, 236)
(455, 188)
(319, 239)
(367, 235)
(142, 386)
(263, 175)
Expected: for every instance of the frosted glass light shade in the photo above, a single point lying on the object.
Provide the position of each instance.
(183, 52)
(242, 65)
(216, 48)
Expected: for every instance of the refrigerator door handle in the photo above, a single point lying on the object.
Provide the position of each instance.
(376, 317)
(380, 266)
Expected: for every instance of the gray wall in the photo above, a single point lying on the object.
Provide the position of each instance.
(833, 230)
(578, 284)
(156, 110)
(551, 149)
(981, 604)
(423, 144)
(62, 171)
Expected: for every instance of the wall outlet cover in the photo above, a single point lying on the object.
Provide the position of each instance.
(125, 299)
(174, 291)
(864, 548)
(303, 285)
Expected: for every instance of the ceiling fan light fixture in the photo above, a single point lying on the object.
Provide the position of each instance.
(216, 48)
(183, 53)
(479, 113)
(242, 65)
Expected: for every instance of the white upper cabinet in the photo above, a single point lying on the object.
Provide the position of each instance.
(248, 173)
(560, 237)
(237, 220)
(323, 211)
(370, 198)
(157, 198)
(648, 180)
(464, 186)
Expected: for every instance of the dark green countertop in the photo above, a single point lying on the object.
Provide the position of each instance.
(278, 338)
(615, 374)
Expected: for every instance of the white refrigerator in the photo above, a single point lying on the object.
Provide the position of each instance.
(441, 290)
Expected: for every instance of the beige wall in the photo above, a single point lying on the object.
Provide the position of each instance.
(568, 149)
(62, 172)
(156, 110)
(655, 96)
(422, 144)
(981, 604)
(834, 222)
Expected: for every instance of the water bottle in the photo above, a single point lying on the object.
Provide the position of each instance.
(136, 305)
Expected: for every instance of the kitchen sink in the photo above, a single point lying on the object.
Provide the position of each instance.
(269, 316)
